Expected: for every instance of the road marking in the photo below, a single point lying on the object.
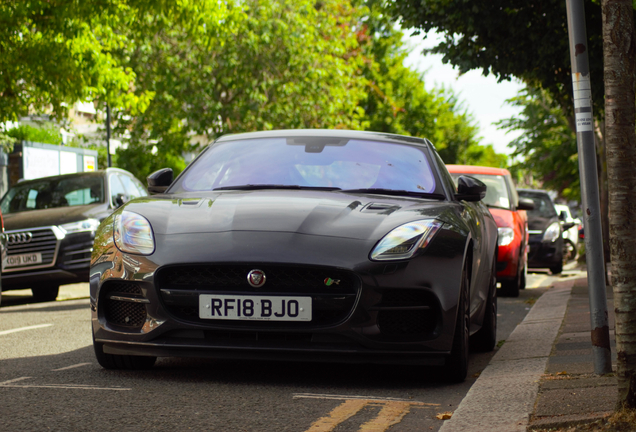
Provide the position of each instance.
(14, 380)
(33, 327)
(392, 412)
(65, 387)
(70, 367)
(10, 384)
(338, 415)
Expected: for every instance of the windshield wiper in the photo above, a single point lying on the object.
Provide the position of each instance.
(397, 192)
(276, 186)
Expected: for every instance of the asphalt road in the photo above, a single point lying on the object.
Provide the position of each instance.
(50, 380)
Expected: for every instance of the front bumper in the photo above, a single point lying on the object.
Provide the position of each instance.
(399, 312)
(66, 261)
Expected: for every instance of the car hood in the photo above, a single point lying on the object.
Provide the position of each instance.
(49, 217)
(540, 222)
(336, 214)
(503, 218)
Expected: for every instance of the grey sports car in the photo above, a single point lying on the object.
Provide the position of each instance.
(317, 245)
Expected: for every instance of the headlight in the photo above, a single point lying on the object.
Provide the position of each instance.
(552, 233)
(81, 226)
(506, 236)
(405, 240)
(133, 234)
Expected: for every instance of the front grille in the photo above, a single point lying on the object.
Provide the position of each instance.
(333, 291)
(120, 312)
(407, 312)
(288, 279)
(42, 240)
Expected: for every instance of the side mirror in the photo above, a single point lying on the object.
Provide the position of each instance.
(470, 189)
(120, 199)
(159, 181)
(525, 204)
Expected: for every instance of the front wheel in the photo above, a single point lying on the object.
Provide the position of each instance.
(456, 367)
(123, 362)
(46, 293)
(557, 268)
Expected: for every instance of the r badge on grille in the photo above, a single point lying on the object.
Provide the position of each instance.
(330, 281)
(256, 278)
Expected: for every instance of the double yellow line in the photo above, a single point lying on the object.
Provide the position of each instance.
(392, 412)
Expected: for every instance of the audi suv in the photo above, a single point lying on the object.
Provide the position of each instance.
(50, 226)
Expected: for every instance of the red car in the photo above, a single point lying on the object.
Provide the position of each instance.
(508, 210)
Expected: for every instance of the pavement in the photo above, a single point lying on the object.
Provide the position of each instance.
(543, 375)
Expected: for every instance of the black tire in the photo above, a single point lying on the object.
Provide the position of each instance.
(511, 288)
(45, 294)
(456, 367)
(121, 362)
(486, 338)
(524, 274)
(557, 269)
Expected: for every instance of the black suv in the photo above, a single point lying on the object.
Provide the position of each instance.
(50, 226)
(546, 235)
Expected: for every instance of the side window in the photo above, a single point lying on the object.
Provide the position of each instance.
(116, 188)
(132, 186)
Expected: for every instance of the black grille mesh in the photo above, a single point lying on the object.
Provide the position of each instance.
(278, 278)
(333, 291)
(405, 322)
(123, 313)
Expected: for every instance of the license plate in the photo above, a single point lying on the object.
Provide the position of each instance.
(258, 308)
(23, 259)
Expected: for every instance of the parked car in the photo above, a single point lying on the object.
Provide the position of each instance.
(544, 227)
(317, 245)
(509, 213)
(50, 226)
(3, 249)
(571, 234)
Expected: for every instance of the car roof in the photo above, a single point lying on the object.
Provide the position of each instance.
(335, 133)
(98, 173)
(473, 169)
(535, 191)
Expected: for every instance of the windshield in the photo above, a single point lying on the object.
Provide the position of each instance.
(543, 206)
(310, 162)
(497, 190)
(53, 192)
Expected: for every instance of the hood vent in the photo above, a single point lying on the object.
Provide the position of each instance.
(380, 207)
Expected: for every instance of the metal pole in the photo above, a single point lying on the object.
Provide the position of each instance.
(110, 162)
(589, 186)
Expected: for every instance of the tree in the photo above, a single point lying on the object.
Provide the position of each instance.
(397, 101)
(619, 38)
(527, 40)
(272, 65)
(54, 53)
(546, 137)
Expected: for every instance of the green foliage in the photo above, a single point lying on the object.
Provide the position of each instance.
(525, 39)
(547, 144)
(56, 53)
(271, 65)
(397, 101)
(47, 134)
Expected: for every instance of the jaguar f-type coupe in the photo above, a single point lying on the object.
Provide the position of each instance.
(300, 245)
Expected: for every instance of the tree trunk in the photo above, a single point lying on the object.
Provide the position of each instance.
(619, 53)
